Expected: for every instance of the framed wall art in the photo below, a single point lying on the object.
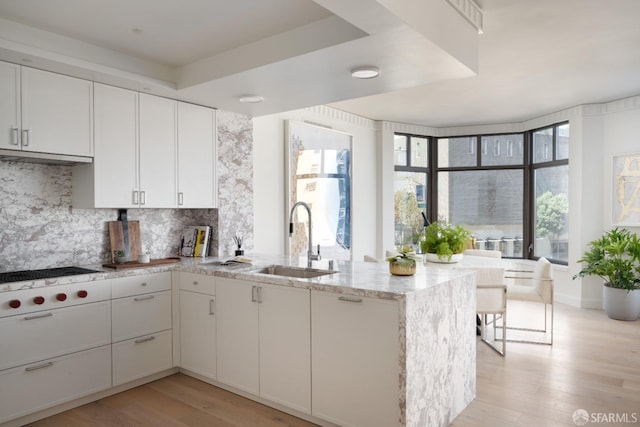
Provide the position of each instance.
(626, 190)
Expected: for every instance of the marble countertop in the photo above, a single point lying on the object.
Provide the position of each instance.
(358, 278)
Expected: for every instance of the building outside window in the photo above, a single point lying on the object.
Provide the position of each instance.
(480, 185)
(411, 158)
(510, 190)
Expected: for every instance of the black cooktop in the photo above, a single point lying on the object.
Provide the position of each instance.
(19, 276)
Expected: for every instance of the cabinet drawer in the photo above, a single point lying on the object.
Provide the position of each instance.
(51, 382)
(135, 285)
(198, 283)
(142, 356)
(141, 314)
(99, 290)
(36, 336)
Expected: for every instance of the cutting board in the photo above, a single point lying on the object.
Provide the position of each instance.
(116, 237)
(136, 264)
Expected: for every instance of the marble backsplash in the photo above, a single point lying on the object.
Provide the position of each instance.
(40, 229)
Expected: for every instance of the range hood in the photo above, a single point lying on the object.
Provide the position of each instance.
(46, 158)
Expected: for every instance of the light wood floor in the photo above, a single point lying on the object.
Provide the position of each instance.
(593, 365)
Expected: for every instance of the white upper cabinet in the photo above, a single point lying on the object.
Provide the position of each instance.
(10, 122)
(52, 114)
(158, 152)
(196, 156)
(116, 147)
(45, 112)
(145, 146)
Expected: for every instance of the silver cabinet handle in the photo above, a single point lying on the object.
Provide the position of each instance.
(259, 294)
(38, 316)
(195, 282)
(143, 198)
(145, 298)
(254, 291)
(35, 368)
(180, 199)
(350, 299)
(14, 136)
(135, 197)
(145, 339)
(212, 306)
(143, 284)
(26, 137)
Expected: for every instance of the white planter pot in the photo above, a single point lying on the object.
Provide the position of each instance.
(434, 258)
(620, 304)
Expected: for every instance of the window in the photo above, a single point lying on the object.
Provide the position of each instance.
(510, 190)
(480, 185)
(551, 191)
(411, 158)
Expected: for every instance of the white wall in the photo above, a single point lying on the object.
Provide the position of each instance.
(269, 178)
(608, 129)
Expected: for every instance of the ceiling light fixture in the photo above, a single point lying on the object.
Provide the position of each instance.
(367, 72)
(250, 99)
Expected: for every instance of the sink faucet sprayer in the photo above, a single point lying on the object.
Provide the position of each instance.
(310, 255)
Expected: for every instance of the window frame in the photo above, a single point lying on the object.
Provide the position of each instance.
(426, 170)
(554, 162)
(528, 168)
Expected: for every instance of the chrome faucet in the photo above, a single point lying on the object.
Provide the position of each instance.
(310, 255)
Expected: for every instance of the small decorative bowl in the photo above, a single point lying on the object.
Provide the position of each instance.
(144, 258)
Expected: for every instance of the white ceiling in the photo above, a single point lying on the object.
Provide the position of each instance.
(534, 57)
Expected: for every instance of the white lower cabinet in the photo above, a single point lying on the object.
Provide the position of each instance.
(198, 324)
(141, 326)
(263, 341)
(139, 357)
(355, 360)
(41, 335)
(30, 388)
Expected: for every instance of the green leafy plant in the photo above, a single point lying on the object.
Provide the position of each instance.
(614, 257)
(118, 253)
(406, 256)
(551, 216)
(444, 239)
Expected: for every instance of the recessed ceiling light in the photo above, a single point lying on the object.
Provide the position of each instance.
(251, 99)
(368, 72)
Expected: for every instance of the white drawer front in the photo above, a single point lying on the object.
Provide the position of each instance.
(44, 384)
(134, 285)
(75, 293)
(198, 283)
(41, 335)
(141, 314)
(142, 356)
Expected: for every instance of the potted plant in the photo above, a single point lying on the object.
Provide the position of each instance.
(615, 257)
(404, 262)
(444, 242)
(119, 256)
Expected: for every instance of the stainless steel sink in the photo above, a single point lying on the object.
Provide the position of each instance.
(297, 272)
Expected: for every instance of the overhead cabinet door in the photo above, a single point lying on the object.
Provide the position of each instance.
(158, 181)
(10, 125)
(196, 156)
(116, 140)
(56, 113)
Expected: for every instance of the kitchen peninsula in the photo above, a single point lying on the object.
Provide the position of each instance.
(376, 349)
